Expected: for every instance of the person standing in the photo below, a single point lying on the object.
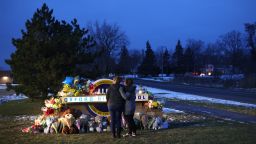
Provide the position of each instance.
(128, 93)
(115, 104)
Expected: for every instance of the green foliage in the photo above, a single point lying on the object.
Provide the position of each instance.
(178, 58)
(189, 60)
(124, 65)
(166, 62)
(148, 65)
(47, 51)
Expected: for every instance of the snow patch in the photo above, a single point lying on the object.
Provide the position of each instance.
(2, 86)
(169, 110)
(190, 97)
(4, 99)
(159, 79)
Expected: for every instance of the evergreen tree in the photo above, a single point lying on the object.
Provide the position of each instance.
(124, 65)
(189, 60)
(148, 65)
(47, 52)
(166, 62)
(251, 40)
(177, 58)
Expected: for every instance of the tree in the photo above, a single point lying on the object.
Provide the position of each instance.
(148, 65)
(135, 60)
(166, 62)
(215, 54)
(47, 51)
(189, 62)
(251, 29)
(232, 42)
(177, 59)
(194, 59)
(109, 40)
(124, 65)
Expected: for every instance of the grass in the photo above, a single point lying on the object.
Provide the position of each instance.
(21, 107)
(209, 131)
(239, 109)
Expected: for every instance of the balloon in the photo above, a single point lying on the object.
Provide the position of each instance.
(68, 80)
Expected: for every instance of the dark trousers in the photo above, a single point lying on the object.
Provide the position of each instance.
(115, 115)
(130, 123)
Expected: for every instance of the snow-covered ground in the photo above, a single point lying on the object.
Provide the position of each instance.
(169, 110)
(159, 79)
(7, 98)
(2, 86)
(160, 93)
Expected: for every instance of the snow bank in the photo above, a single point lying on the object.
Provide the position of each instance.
(169, 110)
(159, 79)
(2, 86)
(7, 98)
(183, 96)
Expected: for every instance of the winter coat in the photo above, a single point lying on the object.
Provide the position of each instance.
(114, 98)
(128, 93)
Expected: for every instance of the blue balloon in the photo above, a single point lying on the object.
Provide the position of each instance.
(68, 80)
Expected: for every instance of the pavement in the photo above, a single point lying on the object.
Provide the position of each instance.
(217, 113)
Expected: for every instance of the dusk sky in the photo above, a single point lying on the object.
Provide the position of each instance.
(162, 22)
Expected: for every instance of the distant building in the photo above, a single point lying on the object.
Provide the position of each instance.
(5, 77)
(207, 70)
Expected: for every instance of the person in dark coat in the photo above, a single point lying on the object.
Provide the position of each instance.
(128, 93)
(115, 104)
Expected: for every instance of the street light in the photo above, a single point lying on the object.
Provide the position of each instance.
(5, 78)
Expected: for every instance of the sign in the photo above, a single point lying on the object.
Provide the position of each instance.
(141, 97)
(96, 102)
(85, 99)
(98, 99)
(100, 88)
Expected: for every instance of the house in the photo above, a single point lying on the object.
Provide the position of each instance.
(5, 77)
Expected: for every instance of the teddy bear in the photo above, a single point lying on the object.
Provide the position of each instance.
(68, 124)
(92, 125)
(144, 121)
(99, 120)
(157, 123)
(82, 123)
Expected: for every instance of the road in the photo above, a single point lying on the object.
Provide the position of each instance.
(227, 94)
(218, 113)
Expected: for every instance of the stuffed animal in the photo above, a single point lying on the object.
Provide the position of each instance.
(98, 120)
(144, 120)
(157, 123)
(82, 123)
(68, 124)
(92, 125)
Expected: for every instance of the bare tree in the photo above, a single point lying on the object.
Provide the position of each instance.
(194, 49)
(109, 39)
(232, 42)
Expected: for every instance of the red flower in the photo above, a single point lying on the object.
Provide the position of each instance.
(49, 111)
